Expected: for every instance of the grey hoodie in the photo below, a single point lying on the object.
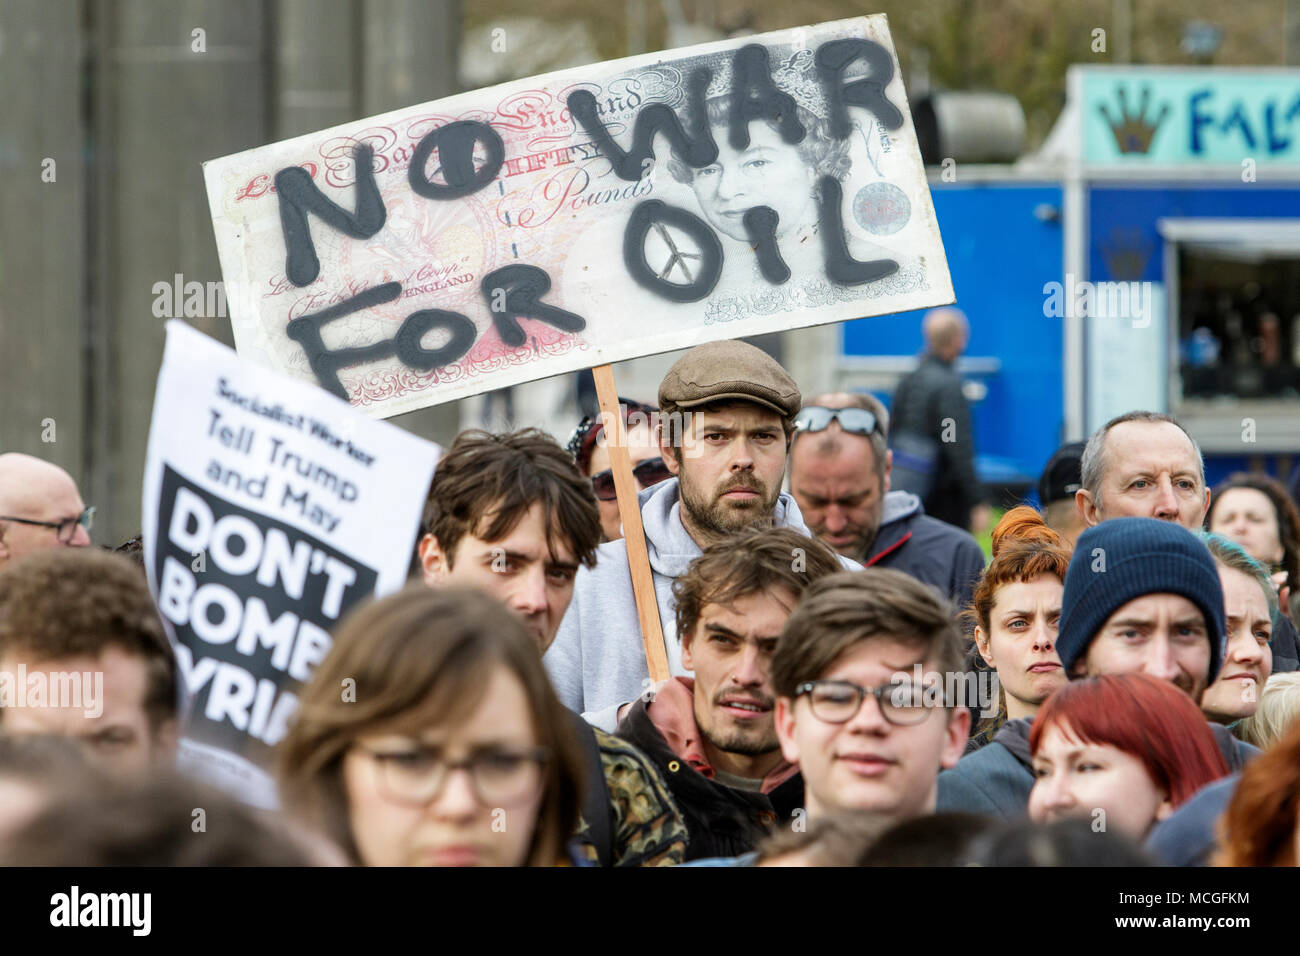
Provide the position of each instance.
(597, 662)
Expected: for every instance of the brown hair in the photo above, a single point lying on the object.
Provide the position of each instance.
(834, 839)
(748, 563)
(1024, 548)
(1258, 828)
(420, 658)
(486, 483)
(70, 602)
(151, 823)
(843, 609)
(1284, 509)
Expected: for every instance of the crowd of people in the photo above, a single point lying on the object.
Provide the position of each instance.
(848, 683)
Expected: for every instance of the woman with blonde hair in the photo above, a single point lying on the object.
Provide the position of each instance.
(1275, 714)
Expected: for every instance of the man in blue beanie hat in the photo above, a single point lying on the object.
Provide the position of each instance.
(1141, 596)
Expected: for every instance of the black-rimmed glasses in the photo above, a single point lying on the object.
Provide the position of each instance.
(500, 777)
(816, 418)
(838, 701)
(66, 529)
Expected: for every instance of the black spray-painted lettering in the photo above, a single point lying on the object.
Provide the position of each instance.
(656, 213)
(840, 266)
(299, 196)
(698, 149)
(524, 287)
(326, 363)
(455, 143)
(760, 224)
(755, 96)
(413, 354)
(869, 92)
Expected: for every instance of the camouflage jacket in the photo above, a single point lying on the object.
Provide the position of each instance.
(647, 825)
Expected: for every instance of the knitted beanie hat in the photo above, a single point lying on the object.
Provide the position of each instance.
(1127, 558)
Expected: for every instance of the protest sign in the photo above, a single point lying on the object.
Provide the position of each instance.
(269, 510)
(583, 217)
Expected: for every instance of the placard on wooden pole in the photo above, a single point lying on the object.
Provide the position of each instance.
(629, 511)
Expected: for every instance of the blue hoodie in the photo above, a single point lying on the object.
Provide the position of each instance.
(597, 662)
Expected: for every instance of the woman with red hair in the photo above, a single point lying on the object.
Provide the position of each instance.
(1015, 610)
(1262, 824)
(1129, 746)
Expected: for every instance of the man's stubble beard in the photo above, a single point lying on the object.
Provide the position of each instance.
(740, 743)
(711, 516)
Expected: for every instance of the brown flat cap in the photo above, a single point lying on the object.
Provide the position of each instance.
(730, 370)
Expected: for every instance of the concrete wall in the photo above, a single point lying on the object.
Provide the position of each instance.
(119, 95)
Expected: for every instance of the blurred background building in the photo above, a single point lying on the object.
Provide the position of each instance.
(111, 106)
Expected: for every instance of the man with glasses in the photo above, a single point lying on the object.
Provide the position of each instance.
(862, 673)
(40, 508)
(840, 475)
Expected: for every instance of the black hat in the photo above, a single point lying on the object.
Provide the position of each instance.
(1063, 475)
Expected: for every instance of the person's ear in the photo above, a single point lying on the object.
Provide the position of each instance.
(688, 641)
(4, 548)
(783, 721)
(1088, 509)
(1205, 508)
(984, 646)
(668, 454)
(958, 733)
(166, 741)
(1080, 668)
(889, 470)
(433, 562)
(1165, 809)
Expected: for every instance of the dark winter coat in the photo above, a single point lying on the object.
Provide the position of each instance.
(923, 401)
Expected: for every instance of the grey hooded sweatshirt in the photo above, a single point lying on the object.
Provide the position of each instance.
(597, 662)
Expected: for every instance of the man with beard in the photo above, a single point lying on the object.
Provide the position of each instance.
(727, 410)
(712, 735)
(839, 475)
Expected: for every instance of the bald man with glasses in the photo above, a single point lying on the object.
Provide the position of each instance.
(839, 476)
(40, 508)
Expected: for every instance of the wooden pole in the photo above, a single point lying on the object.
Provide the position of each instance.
(629, 511)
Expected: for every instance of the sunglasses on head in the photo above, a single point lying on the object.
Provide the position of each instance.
(649, 472)
(816, 418)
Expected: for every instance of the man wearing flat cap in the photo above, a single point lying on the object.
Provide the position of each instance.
(727, 412)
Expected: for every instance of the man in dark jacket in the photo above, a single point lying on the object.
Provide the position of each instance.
(712, 735)
(931, 411)
(1141, 596)
(840, 477)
